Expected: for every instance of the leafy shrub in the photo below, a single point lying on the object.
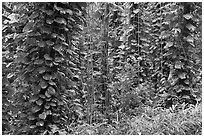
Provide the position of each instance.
(154, 121)
(159, 121)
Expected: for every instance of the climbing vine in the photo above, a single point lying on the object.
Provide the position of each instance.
(93, 68)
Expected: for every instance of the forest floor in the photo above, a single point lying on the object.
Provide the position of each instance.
(155, 121)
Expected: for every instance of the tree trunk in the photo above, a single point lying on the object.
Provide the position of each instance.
(104, 62)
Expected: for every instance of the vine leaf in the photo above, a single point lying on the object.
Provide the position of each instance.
(31, 117)
(168, 44)
(34, 15)
(47, 57)
(47, 77)
(41, 44)
(59, 59)
(50, 43)
(45, 30)
(48, 112)
(164, 95)
(48, 63)
(49, 12)
(10, 75)
(37, 89)
(57, 47)
(47, 94)
(36, 109)
(69, 11)
(47, 106)
(191, 27)
(188, 16)
(187, 82)
(43, 84)
(28, 26)
(186, 97)
(182, 75)
(40, 123)
(136, 11)
(38, 62)
(52, 83)
(43, 115)
(33, 98)
(53, 104)
(178, 65)
(190, 39)
(39, 102)
(42, 96)
(61, 21)
(51, 90)
(33, 126)
(41, 70)
(49, 21)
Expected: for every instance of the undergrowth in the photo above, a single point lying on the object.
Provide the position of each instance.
(153, 121)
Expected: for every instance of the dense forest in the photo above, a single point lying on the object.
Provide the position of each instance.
(118, 68)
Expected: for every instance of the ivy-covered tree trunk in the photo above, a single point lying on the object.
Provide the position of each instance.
(49, 70)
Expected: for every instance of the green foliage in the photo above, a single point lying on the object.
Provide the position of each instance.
(151, 122)
(101, 68)
(43, 52)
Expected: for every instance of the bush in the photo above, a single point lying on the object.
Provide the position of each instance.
(153, 121)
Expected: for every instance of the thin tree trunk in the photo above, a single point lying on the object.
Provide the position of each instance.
(90, 75)
(104, 63)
